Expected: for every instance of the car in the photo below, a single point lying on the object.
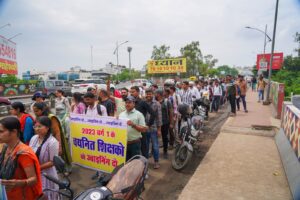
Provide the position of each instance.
(81, 85)
(4, 101)
(49, 87)
(140, 82)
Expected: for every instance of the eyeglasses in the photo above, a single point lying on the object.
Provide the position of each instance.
(38, 127)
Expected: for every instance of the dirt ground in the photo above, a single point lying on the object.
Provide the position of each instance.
(163, 183)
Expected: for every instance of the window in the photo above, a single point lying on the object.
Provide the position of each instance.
(40, 84)
(59, 83)
(49, 84)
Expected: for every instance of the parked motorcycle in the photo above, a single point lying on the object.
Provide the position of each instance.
(125, 182)
(192, 121)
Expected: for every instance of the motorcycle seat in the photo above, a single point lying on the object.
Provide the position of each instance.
(129, 175)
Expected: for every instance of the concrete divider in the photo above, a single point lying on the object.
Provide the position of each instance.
(288, 140)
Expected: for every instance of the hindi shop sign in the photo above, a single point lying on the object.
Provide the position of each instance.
(8, 56)
(98, 142)
(165, 66)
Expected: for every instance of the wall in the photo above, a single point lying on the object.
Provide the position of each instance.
(287, 141)
(277, 97)
(16, 89)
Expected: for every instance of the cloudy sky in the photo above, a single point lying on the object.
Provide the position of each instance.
(58, 34)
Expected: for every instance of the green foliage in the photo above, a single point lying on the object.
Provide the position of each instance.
(291, 63)
(160, 52)
(125, 75)
(210, 61)
(213, 72)
(12, 79)
(291, 80)
(194, 58)
(227, 70)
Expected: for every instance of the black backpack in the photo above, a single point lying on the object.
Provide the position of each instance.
(98, 109)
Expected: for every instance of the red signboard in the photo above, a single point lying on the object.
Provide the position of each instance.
(263, 61)
(8, 56)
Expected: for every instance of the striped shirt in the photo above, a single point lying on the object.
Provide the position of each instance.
(187, 97)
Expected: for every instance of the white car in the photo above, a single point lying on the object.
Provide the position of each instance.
(83, 85)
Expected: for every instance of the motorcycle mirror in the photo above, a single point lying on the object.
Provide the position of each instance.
(59, 164)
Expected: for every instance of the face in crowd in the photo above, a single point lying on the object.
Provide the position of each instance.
(129, 105)
(124, 94)
(89, 101)
(134, 92)
(149, 96)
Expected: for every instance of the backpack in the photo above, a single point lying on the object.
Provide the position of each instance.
(98, 109)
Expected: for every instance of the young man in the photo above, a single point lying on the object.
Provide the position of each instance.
(167, 119)
(231, 93)
(242, 84)
(186, 94)
(136, 125)
(168, 96)
(93, 109)
(145, 109)
(124, 93)
(217, 94)
(261, 88)
(155, 130)
(107, 102)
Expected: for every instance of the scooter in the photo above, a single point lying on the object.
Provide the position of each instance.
(125, 182)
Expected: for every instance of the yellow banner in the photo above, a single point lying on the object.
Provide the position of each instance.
(173, 65)
(98, 142)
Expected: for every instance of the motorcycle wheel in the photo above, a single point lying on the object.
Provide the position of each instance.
(182, 156)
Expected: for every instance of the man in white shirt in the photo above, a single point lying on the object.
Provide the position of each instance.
(217, 93)
(194, 90)
(93, 109)
(186, 94)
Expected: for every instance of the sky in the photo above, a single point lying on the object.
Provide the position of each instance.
(58, 34)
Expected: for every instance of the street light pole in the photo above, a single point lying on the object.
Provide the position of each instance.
(272, 53)
(14, 36)
(116, 51)
(265, 34)
(129, 49)
(8, 24)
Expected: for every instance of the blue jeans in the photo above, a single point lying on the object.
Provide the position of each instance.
(260, 95)
(216, 103)
(152, 135)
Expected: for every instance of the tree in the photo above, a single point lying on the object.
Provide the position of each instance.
(210, 61)
(225, 70)
(291, 63)
(160, 52)
(125, 75)
(193, 56)
(9, 79)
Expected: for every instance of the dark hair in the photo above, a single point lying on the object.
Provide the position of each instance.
(77, 97)
(18, 105)
(45, 121)
(173, 88)
(167, 91)
(136, 88)
(155, 86)
(11, 123)
(149, 90)
(104, 92)
(186, 82)
(124, 89)
(159, 92)
(60, 91)
(144, 84)
(43, 107)
(89, 95)
(90, 89)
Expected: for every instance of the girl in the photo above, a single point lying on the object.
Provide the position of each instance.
(45, 147)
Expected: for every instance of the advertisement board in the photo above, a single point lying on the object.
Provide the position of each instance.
(173, 65)
(98, 142)
(263, 61)
(8, 56)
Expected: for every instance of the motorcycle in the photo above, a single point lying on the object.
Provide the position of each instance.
(192, 122)
(125, 182)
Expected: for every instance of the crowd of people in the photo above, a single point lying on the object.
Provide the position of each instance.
(30, 141)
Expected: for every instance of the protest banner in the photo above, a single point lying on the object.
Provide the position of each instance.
(98, 142)
(173, 65)
(8, 56)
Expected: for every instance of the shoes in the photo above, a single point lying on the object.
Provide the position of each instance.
(147, 176)
(166, 155)
(232, 114)
(246, 111)
(156, 165)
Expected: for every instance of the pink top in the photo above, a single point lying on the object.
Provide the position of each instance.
(79, 108)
